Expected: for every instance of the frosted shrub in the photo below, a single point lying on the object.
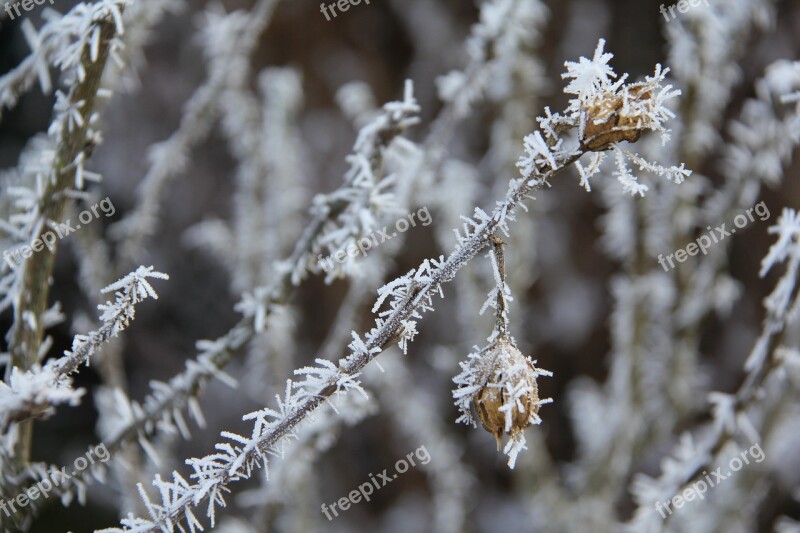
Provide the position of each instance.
(328, 368)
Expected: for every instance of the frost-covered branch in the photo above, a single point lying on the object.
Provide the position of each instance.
(35, 393)
(14, 483)
(87, 43)
(655, 339)
(704, 47)
(296, 471)
(61, 42)
(82, 58)
(162, 408)
(411, 295)
(730, 418)
(505, 27)
(92, 254)
(408, 296)
(494, 49)
(357, 208)
(763, 140)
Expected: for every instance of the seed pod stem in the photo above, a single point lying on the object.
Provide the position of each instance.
(499, 263)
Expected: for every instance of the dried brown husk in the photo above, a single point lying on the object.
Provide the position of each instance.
(607, 124)
(505, 357)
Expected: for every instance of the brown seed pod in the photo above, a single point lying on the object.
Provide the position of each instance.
(607, 121)
(509, 400)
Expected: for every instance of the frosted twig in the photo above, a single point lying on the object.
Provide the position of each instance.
(236, 462)
(35, 392)
(167, 400)
(730, 410)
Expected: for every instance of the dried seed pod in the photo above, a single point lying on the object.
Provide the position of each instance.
(498, 381)
(616, 118)
(508, 398)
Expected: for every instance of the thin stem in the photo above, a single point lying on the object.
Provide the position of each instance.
(502, 304)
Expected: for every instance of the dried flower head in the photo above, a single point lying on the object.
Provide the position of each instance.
(607, 109)
(604, 110)
(501, 383)
(616, 117)
(509, 401)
